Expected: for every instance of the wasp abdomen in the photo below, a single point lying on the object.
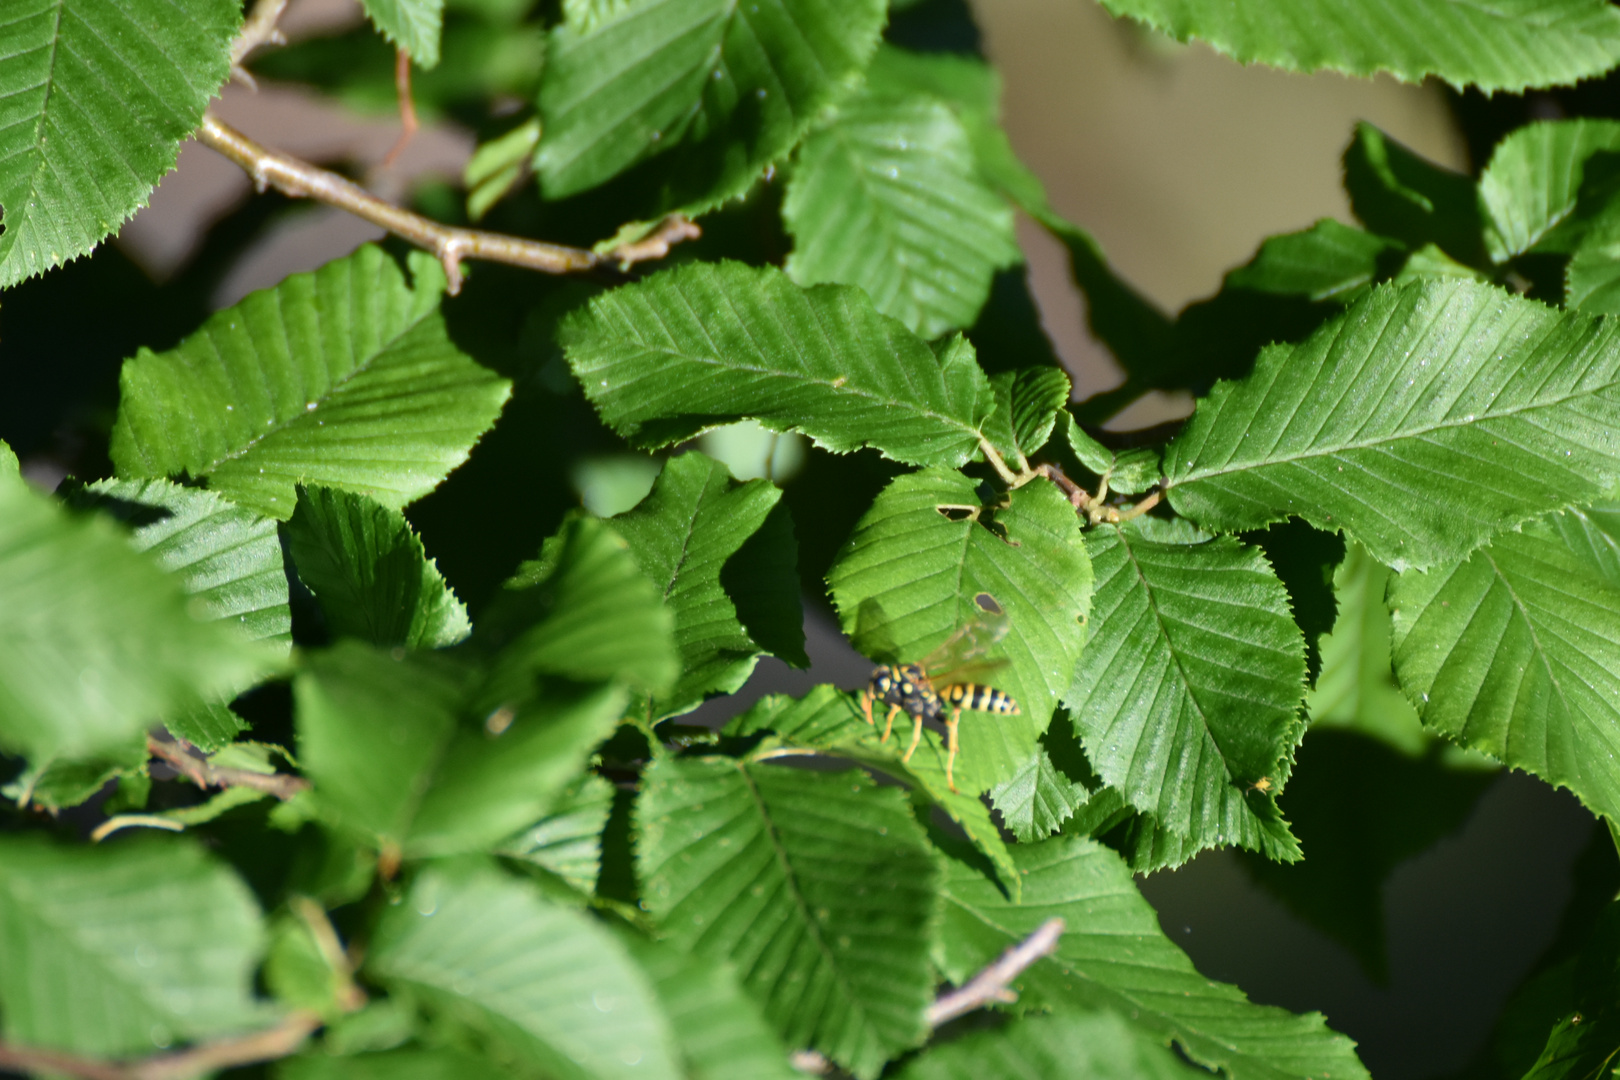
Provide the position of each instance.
(982, 698)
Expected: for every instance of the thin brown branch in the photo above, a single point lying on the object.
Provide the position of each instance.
(205, 774)
(407, 107)
(991, 984)
(449, 244)
(259, 28)
(268, 1045)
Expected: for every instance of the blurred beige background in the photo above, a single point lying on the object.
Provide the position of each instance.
(1178, 161)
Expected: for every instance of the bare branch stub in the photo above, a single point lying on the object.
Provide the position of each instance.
(205, 774)
(271, 1044)
(991, 985)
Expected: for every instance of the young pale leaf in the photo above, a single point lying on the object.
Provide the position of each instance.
(819, 887)
(95, 99)
(909, 575)
(227, 557)
(1534, 181)
(705, 344)
(1516, 651)
(1426, 418)
(829, 721)
(1397, 193)
(737, 84)
(370, 573)
(1096, 1045)
(396, 757)
(1188, 692)
(549, 982)
(718, 1029)
(888, 197)
(10, 468)
(1028, 402)
(723, 555)
(412, 25)
(1114, 957)
(95, 640)
(1035, 801)
(344, 377)
(1128, 472)
(583, 610)
(107, 950)
(1498, 47)
(568, 840)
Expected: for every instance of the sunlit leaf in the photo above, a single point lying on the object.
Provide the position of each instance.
(1426, 418)
(345, 377)
(819, 887)
(547, 981)
(706, 344)
(108, 950)
(95, 99)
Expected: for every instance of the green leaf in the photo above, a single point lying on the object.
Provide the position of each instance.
(888, 197)
(1128, 471)
(1035, 801)
(819, 887)
(398, 755)
(227, 557)
(497, 166)
(208, 726)
(109, 950)
(734, 85)
(1028, 401)
(55, 783)
(583, 610)
(1515, 651)
(1328, 261)
(723, 554)
(548, 981)
(95, 640)
(568, 840)
(1356, 688)
(718, 1029)
(412, 25)
(1188, 692)
(95, 99)
(1425, 419)
(411, 1064)
(1098, 1045)
(705, 344)
(10, 469)
(909, 575)
(1495, 47)
(1399, 194)
(345, 377)
(1114, 957)
(829, 721)
(1535, 180)
(370, 573)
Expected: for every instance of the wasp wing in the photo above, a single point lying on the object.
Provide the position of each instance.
(965, 654)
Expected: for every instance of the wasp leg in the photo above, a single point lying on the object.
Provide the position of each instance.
(916, 736)
(888, 725)
(950, 739)
(866, 705)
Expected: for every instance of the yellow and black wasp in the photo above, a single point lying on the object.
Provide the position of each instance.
(943, 679)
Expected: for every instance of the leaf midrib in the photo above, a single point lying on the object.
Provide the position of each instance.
(1405, 436)
(847, 388)
(336, 387)
(791, 881)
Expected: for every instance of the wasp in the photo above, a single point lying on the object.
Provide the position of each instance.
(942, 680)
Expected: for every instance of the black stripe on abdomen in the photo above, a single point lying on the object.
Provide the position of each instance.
(982, 698)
